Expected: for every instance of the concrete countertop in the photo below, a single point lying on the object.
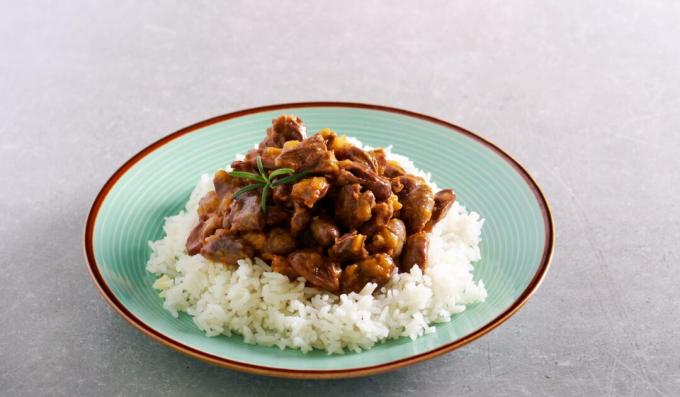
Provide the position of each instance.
(585, 95)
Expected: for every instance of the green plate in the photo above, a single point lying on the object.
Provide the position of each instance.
(517, 238)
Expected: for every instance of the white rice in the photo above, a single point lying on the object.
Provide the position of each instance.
(268, 309)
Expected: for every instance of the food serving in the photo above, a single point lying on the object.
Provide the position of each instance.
(318, 243)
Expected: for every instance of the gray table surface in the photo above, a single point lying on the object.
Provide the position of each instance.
(585, 94)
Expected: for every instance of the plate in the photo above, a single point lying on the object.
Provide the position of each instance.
(517, 238)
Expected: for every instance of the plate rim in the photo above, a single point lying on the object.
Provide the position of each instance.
(112, 300)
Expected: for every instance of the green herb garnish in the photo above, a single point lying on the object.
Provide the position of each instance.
(266, 181)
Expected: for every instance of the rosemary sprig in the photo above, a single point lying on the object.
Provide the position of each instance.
(266, 181)
(248, 175)
(290, 178)
(248, 188)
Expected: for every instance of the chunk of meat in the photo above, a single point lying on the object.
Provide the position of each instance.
(257, 240)
(284, 128)
(208, 205)
(355, 154)
(281, 265)
(389, 239)
(300, 220)
(204, 229)
(328, 136)
(396, 185)
(348, 248)
(243, 165)
(415, 252)
(374, 269)
(352, 172)
(225, 204)
(268, 156)
(281, 195)
(310, 190)
(380, 160)
(280, 241)
(324, 230)
(245, 214)
(277, 215)
(443, 200)
(310, 155)
(417, 200)
(393, 169)
(374, 160)
(249, 162)
(306, 240)
(382, 213)
(316, 269)
(226, 248)
(225, 184)
(352, 207)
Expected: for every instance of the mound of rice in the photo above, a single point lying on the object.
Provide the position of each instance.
(268, 309)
